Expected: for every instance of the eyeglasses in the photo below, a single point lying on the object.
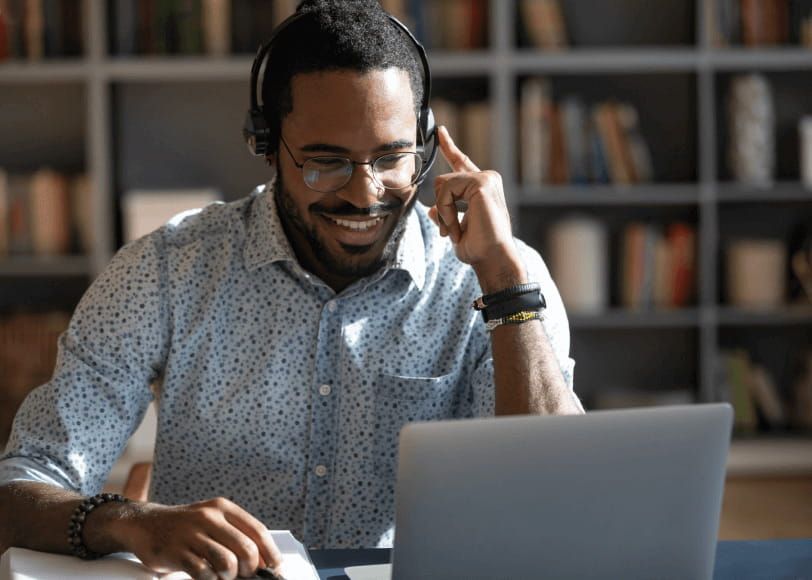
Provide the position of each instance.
(328, 174)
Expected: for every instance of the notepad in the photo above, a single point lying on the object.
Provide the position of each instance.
(369, 572)
(23, 564)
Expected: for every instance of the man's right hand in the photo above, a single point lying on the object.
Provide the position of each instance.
(209, 540)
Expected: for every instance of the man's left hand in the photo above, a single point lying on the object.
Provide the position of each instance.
(483, 238)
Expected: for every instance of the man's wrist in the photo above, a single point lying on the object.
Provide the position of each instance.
(500, 272)
(108, 528)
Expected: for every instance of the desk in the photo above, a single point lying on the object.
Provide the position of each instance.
(757, 560)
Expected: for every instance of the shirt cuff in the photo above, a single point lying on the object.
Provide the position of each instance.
(17, 468)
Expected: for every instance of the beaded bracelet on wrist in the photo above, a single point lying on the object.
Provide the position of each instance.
(517, 318)
(77, 523)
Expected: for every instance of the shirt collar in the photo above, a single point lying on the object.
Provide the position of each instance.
(266, 241)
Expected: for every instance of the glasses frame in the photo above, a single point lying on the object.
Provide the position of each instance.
(354, 164)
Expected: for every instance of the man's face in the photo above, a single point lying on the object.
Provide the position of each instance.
(359, 116)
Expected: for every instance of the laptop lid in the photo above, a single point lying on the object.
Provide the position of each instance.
(632, 493)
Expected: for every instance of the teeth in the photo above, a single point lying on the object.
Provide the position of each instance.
(358, 226)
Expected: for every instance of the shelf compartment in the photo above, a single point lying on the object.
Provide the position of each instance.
(605, 24)
(790, 92)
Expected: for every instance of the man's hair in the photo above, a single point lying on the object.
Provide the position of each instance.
(334, 35)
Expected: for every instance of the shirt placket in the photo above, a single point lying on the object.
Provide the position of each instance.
(323, 427)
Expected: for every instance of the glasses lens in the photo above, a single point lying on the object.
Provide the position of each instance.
(327, 174)
(397, 170)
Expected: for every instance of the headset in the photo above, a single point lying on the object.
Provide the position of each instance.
(257, 133)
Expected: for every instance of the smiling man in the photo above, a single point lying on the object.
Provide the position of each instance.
(290, 335)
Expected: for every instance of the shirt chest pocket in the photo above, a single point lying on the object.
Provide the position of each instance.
(400, 400)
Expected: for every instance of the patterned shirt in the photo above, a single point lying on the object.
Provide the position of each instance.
(272, 390)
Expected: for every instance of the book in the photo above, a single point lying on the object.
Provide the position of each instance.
(766, 397)
(682, 262)
(534, 131)
(216, 18)
(737, 366)
(5, 32)
(50, 209)
(4, 210)
(24, 563)
(475, 120)
(576, 135)
(543, 23)
(613, 143)
(639, 154)
(147, 210)
(34, 26)
(19, 220)
(559, 168)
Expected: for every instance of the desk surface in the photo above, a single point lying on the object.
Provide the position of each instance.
(757, 560)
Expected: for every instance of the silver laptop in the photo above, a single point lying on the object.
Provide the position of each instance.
(611, 494)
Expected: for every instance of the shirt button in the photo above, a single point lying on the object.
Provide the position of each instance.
(331, 306)
(320, 470)
(325, 390)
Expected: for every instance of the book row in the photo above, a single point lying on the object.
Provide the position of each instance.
(761, 22)
(221, 27)
(572, 142)
(758, 402)
(46, 213)
(37, 29)
(656, 266)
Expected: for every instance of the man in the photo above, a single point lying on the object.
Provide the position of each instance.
(291, 333)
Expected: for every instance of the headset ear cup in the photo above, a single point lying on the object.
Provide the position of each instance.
(428, 132)
(256, 133)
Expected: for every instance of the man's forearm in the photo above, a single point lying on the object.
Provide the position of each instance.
(527, 375)
(36, 516)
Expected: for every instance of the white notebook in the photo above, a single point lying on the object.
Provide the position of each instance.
(22, 564)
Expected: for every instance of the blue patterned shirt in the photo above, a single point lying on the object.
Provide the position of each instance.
(272, 390)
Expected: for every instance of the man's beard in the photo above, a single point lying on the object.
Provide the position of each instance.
(337, 265)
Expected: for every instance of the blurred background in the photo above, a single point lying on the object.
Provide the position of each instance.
(658, 155)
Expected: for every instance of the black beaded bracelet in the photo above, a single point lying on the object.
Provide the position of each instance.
(77, 522)
(488, 299)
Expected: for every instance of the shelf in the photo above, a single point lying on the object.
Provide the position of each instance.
(779, 192)
(625, 318)
(778, 58)
(13, 71)
(591, 60)
(770, 456)
(178, 69)
(788, 315)
(45, 266)
(654, 194)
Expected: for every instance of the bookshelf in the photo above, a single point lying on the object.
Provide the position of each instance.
(134, 121)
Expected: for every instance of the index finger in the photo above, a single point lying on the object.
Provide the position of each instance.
(458, 160)
(257, 531)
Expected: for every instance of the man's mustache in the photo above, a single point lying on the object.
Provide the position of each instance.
(350, 210)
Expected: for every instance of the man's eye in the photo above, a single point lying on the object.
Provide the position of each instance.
(391, 161)
(328, 163)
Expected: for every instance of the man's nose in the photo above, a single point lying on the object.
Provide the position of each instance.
(361, 190)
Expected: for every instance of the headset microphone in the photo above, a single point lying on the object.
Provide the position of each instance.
(257, 133)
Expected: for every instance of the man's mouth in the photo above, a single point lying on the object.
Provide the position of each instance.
(355, 231)
(356, 225)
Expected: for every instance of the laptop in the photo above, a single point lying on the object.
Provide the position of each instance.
(632, 493)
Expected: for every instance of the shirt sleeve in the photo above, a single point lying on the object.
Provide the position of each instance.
(555, 324)
(70, 430)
